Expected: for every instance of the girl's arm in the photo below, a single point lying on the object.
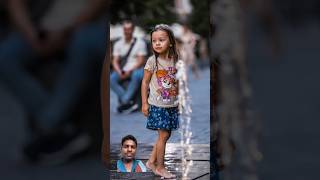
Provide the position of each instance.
(144, 91)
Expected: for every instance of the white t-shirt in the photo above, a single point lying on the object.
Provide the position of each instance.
(121, 48)
(163, 84)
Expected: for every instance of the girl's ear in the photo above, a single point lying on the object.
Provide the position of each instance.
(170, 45)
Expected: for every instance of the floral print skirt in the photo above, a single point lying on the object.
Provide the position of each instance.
(163, 118)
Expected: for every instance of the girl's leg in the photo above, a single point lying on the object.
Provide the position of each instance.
(161, 146)
(153, 158)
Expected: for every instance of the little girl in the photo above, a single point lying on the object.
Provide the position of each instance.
(160, 104)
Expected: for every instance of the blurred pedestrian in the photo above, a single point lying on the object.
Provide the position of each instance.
(187, 50)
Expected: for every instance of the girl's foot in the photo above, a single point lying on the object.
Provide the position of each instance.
(164, 173)
(151, 166)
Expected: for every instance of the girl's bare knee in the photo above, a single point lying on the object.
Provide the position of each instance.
(164, 135)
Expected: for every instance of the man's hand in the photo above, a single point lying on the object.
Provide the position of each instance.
(125, 75)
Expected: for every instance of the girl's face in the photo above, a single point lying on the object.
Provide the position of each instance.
(160, 41)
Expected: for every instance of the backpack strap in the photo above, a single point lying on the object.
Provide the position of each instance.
(124, 58)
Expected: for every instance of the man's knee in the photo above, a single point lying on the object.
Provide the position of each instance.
(114, 78)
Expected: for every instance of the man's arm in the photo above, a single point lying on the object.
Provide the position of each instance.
(116, 64)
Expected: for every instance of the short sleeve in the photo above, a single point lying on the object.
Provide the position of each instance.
(150, 65)
(116, 49)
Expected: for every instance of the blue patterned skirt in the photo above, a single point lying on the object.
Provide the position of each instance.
(163, 118)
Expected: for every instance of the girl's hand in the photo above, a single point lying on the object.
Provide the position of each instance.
(145, 109)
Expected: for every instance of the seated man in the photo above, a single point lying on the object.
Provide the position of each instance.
(128, 60)
(128, 163)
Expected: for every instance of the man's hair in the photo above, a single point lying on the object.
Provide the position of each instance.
(128, 21)
(129, 137)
